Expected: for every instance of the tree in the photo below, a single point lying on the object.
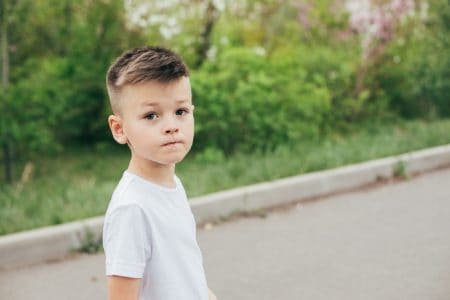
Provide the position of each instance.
(55, 93)
(184, 25)
(5, 135)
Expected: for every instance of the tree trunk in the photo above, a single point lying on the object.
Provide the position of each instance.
(6, 147)
(7, 162)
(67, 28)
(205, 37)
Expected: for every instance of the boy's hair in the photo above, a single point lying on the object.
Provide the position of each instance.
(141, 65)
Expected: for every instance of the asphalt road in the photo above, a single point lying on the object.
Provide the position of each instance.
(389, 242)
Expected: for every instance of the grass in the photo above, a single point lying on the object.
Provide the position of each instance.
(78, 184)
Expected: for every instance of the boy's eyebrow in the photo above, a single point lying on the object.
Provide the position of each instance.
(157, 104)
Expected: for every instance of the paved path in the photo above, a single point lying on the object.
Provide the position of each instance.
(392, 242)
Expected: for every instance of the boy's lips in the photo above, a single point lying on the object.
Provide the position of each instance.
(171, 143)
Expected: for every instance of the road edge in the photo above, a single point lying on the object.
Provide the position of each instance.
(56, 242)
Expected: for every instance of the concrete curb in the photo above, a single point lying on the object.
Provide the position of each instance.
(56, 242)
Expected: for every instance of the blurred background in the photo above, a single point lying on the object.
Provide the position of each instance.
(280, 88)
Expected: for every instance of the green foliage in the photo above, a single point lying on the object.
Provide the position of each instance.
(250, 103)
(57, 93)
(399, 170)
(90, 242)
(414, 75)
(78, 184)
(278, 72)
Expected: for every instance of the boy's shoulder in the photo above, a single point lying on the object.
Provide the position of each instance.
(134, 190)
(126, 193)
(124, 187)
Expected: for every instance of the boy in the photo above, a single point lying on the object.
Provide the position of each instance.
(149, 233)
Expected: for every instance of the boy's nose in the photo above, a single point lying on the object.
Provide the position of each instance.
(171, 130)
(170, 126)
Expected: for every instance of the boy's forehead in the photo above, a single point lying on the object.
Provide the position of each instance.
(157, 103)
(153, 93)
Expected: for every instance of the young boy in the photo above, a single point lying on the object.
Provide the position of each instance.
(149, 234)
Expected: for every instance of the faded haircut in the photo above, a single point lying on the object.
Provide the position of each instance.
(141, 65)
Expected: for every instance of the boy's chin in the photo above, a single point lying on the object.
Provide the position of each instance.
(172, 160)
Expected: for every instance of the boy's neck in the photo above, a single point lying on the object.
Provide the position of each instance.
(154, 172)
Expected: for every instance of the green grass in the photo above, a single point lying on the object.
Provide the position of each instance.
(78, 184)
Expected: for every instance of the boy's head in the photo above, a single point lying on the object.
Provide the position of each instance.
(151, 99)
(142, 65)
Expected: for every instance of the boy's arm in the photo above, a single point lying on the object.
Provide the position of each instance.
(211, 295)
(123, 288)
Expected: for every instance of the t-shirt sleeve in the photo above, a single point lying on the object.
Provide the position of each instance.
(127, 242)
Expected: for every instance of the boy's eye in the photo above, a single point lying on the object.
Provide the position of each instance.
(182, 111)
(151, 116)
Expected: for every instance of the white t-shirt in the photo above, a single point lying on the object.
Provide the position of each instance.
(150, 233)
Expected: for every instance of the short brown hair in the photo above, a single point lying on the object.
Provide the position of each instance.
(140, 65)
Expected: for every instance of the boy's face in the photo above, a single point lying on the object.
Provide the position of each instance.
(156, 121)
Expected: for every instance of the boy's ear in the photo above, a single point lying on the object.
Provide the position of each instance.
(116, 126)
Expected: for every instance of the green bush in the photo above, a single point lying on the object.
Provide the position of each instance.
(270, 79)
(57, 94)
(251, 103)
(325, 66)
(415, 73)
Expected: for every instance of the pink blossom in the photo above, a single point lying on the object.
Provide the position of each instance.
(377, 21)
(303, 11)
